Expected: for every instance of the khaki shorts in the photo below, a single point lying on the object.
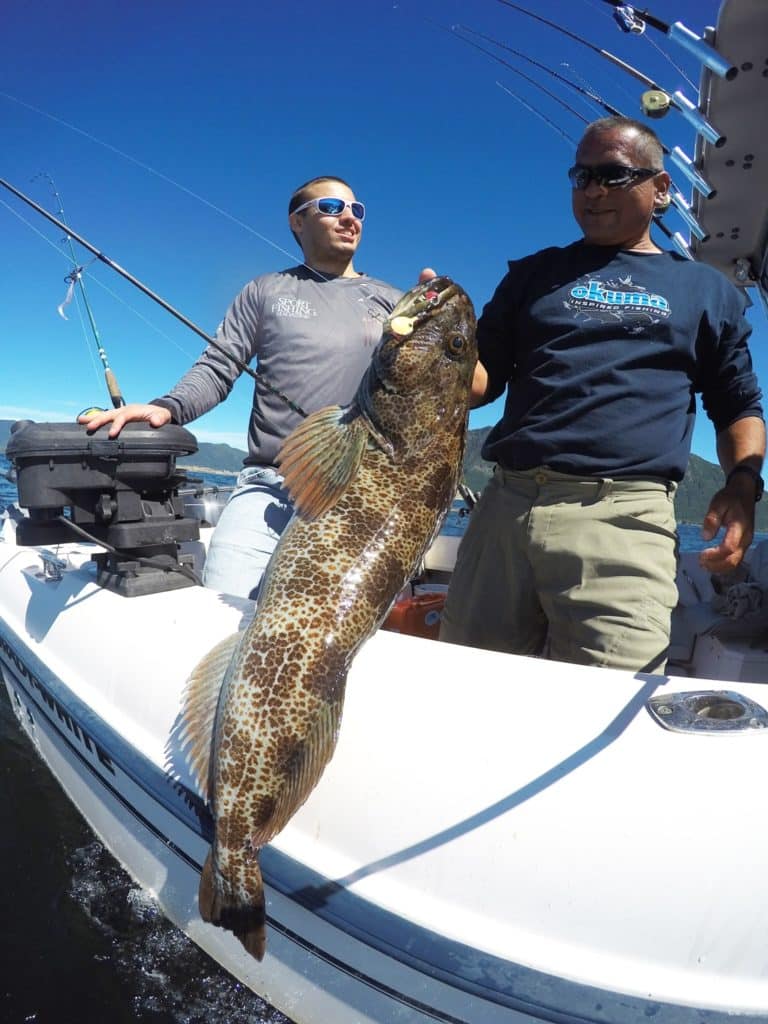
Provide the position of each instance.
(579, 570)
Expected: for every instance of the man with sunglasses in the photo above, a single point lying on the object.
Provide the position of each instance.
(601, 346)
(313, 329)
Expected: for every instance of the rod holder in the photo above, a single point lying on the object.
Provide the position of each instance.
(685, 166)
(700, 123)
(681, 245)
(702, 51)
(684, 211)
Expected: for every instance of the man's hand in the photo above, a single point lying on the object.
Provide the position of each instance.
(152, 414)
(733, 508)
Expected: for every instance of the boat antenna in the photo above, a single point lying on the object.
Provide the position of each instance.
(213, 342)
(75, 277)
(656, 101)
(630, 19)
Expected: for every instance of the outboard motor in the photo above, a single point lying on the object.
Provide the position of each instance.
(122, 492)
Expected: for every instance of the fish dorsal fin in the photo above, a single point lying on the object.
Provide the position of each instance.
(321, 457)
(303, 771)
(201, 699)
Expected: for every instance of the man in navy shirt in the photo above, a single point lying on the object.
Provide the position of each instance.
(602, 346)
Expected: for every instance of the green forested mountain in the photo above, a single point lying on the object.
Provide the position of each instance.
(701, 481)
(220, 457)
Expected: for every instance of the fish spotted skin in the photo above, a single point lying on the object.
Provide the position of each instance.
(371, 485)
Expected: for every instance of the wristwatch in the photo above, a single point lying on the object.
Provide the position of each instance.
(759, 485)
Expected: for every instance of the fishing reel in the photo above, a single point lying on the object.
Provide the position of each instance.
(655, 103)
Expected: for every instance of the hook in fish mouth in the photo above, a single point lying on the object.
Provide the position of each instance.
(418, 305)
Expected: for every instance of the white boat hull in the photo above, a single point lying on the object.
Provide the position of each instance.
(496, 838)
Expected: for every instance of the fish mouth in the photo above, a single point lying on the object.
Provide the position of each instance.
(420, 304)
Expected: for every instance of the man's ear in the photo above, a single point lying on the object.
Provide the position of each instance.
(662, 198)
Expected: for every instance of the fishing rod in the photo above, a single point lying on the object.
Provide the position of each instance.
(656, 101)
(213, 342)
(631, 20)
(517, 71)
(529, 106)
(588, 93)
(75, 277)
(678, 157)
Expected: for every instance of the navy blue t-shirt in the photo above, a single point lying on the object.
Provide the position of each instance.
(602, 351)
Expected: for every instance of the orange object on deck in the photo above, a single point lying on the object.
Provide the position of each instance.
(418, 615)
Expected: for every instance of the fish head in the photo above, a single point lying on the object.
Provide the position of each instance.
(426, 355)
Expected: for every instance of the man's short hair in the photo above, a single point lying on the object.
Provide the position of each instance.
(648, 142)
(300, 195)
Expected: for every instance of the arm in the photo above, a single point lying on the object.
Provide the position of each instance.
(742, 443)
(205, 384)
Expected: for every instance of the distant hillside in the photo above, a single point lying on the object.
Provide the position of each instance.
(219, 457)
(701, 481)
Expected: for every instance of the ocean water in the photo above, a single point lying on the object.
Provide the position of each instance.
(79, 941)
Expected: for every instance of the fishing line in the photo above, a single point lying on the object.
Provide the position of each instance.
(604, 14)
(683, 36)
(543, 67)
(598, 104)
(517, 71)
(372, 311)
(213, 342)
(101, 284)
(75, 279)
(676, 155)
(677, 67)
(569, 139)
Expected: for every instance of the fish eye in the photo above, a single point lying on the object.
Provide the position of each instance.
(456, 344)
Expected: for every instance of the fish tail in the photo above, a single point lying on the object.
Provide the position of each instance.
(225, 908)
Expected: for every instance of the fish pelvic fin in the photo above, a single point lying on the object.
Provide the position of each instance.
(321, 457)
(303, 770)
(201, 699)
(247, 921)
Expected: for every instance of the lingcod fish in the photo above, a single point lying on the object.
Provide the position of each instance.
(371, 483)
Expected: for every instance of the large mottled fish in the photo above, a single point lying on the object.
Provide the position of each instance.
(371, 483)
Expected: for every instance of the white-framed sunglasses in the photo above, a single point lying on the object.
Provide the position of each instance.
(330, 206)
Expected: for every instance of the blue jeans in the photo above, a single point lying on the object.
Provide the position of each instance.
(247, 532)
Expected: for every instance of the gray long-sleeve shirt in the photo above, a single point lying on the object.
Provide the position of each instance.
(313, 338)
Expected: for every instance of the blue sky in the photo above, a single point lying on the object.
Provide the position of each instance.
(175, 133)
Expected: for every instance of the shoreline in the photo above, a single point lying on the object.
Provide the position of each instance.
(208, 469)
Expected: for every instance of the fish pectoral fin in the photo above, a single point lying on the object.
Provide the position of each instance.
(302, 774)
(201, 699)
(220, 907)
(321, 457)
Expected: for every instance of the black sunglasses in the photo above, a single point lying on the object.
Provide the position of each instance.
(607, 175)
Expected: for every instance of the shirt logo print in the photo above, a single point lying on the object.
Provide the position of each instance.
(620, 301)
(297, 309)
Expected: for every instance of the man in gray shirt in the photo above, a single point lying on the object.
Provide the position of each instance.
(312, 328)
